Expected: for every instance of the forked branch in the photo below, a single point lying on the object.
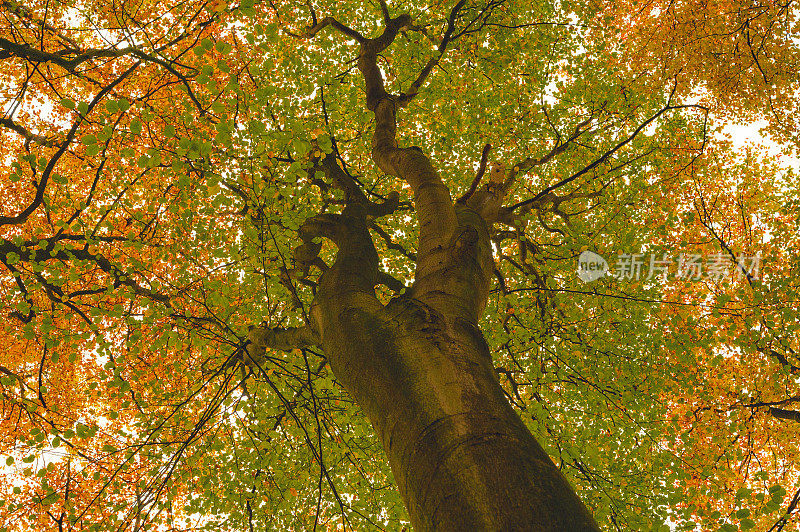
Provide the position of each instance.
(347, 31)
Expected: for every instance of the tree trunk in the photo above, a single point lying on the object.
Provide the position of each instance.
(461, 456)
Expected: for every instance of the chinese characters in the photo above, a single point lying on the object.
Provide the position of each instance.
(634, 266)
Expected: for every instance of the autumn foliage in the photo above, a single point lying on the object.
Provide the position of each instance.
(157, 160)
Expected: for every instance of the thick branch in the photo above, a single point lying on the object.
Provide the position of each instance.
(475, 182)
(781, 359)
(30, 252)
(338, 26)
(23, 51)
(412, 91)
(390, 244)
(340, 179)
(434, 207)
(390, 282)
(552, 202)
(432, 199)
(355, 269)
(385, 208)
(29, 136)
(385, 11)
(390, 31)
(368, 60)
(262, 337)
(780, 413)
(444, 241)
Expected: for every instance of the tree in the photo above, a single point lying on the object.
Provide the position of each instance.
(261, 273)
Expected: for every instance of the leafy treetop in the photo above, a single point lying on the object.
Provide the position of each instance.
(160, 160)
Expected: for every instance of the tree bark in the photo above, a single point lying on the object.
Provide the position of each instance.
(461, 456)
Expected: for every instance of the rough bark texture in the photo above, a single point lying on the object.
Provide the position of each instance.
(419, 366)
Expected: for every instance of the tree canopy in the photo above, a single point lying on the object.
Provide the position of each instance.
(171, 172)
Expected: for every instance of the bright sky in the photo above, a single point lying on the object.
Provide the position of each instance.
(749, 135)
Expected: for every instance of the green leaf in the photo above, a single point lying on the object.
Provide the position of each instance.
(50, 499)
(69, 104)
